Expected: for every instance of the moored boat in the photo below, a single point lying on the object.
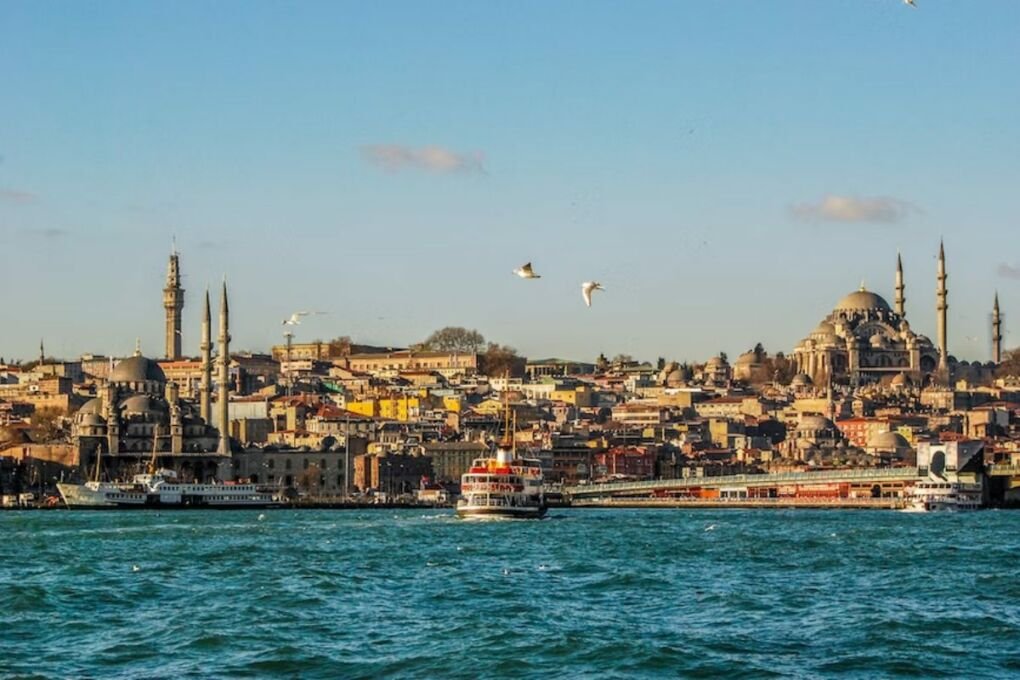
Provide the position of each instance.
(940, 495)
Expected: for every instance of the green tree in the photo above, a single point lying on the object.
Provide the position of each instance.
(455, 339)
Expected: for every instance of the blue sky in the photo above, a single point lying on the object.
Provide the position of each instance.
(727, 170)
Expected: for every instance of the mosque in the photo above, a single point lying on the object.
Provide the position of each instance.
(138, 414)
(865, 341)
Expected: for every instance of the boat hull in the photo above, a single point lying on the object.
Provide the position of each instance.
(109, 497)
(518, 512)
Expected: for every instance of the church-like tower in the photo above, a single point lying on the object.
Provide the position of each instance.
(223, 378)
(173, 303)
(901, 300)
(205, 393)
(941, 305)
(996, 332)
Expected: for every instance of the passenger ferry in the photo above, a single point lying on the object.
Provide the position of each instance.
(504, 486)
(161, 489)
(934, 495)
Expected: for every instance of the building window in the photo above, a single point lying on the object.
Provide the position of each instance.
(306, 464)
(323, 465)
(271, 464)
(286, 465)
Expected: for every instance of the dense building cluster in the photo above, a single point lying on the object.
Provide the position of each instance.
(336, 418)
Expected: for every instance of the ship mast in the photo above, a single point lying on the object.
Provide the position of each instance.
(99, 458)
(155, 440)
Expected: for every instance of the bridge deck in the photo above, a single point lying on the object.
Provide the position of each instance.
(875, 475)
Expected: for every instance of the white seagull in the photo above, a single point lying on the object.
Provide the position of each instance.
(911, 3)
(295, 318)
(586, 290)
(526, 272)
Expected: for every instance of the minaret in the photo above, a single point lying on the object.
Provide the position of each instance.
(941, 305)
(223, 379)
(996, 332)
(205, 395)
(42, 353)
(173, 303)
(900, 298)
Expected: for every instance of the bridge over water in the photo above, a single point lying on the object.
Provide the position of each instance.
(646, 488)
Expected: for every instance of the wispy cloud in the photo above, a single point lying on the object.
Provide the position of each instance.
(17, 196)
(1008, 271)
(832, 208)
(396, 157)
(46, 232)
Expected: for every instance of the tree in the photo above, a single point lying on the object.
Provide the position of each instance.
(308, 480)
(48, 425)
(500, 360)
(340, 347)
(1010, 364)
(455, 339)
(622, 359)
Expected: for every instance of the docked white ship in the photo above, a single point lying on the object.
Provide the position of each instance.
(162, 489)
(934, 495)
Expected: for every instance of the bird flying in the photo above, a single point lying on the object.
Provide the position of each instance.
(912, 3)
(526, 272)
(295, 318)
(587, 288)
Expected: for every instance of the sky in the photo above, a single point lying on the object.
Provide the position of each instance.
(727, 170)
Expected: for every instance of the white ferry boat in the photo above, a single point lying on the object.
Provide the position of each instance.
(934, 495)
(502, 487)
(161, 489)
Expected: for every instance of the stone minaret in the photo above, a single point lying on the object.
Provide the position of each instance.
(223, 379)
(996, 332)
(941, 305)
(900, 298)
(205, 394)
(173, 303)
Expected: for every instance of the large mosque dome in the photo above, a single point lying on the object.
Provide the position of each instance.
(862, 301)
(137, 369)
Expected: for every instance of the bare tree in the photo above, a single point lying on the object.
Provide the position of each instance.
(455, 339)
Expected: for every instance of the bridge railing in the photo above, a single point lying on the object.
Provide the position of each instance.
(864, 474)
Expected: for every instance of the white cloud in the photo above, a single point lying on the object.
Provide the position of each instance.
(17, 196)
(853, 209)
(396, 157)
(1008, 271)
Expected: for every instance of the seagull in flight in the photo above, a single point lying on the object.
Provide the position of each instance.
(526, 272)
(295, 318)
(587, 288)
(911, 3)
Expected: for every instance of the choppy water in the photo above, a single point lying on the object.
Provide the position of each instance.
(584, 593)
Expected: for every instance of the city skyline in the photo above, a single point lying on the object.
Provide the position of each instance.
(727, 172)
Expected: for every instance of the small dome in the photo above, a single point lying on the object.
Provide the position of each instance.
(811, 423)
(901, 380)
(747, 358)
(801, 380)
(137, 369)
(675, 378)
(94, 406)
(92, 419)
(143, 404)
(862, 301)
(888, 441)
(716, 361)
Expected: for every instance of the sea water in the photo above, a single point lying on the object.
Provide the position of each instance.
(584, 593)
